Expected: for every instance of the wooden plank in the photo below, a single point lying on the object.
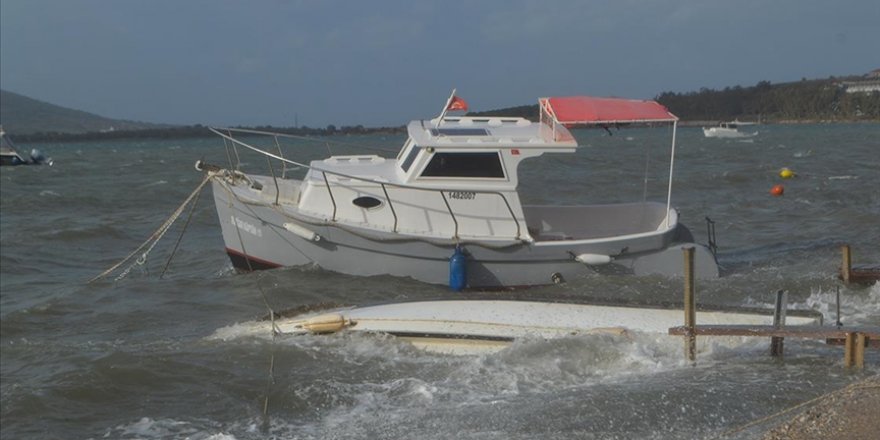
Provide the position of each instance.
(864, 275)
(814, 332)
(869, 342)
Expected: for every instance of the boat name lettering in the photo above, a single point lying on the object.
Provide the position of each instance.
(246, 226)
(463, 195)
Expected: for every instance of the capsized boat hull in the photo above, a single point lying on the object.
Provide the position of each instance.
(478, 325)
(260, 235)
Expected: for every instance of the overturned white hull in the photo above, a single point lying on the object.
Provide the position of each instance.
(472, 326)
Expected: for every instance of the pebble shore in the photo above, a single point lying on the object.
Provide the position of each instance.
(849, 413)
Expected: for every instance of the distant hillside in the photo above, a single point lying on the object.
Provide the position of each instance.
(805, 100)
(22, 115)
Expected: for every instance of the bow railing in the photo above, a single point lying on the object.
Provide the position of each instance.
(230, 141)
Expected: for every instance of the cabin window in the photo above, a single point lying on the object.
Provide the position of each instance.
(465, 165)
(459, 132)
(413, 152)
(405, 148)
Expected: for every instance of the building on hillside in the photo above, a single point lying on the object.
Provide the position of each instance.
(870, 83)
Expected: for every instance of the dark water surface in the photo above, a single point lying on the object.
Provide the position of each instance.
(139, 357)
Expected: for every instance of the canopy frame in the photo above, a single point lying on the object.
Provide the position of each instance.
(593, 111)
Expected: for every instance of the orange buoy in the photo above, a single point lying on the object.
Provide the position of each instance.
(777, 190)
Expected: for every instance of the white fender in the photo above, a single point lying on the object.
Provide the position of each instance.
(329, 323)
(308, 234)
(593, 259)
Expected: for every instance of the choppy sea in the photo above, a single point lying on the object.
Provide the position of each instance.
(137, 358)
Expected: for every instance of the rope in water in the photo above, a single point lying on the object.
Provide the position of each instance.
(153, 239)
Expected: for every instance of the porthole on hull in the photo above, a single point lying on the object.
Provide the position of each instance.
(367, 202)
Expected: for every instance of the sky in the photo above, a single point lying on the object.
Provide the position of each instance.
(385, 62)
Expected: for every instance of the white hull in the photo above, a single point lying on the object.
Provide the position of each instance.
(472, 326)
(259, 235)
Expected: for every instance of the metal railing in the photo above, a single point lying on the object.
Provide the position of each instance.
(228, 139)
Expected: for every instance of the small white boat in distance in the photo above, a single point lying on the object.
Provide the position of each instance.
(447, 209)
(476, 326)
(9, 155)
(728, 130)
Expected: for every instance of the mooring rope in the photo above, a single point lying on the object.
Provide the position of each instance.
(154, 238)
(192, 210)
(270, 381)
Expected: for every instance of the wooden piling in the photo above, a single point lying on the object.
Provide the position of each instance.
(861, 342)
(862, 274)
(776, 342)
(846, 264)
(690, 310)
(854, 349)
(849, 350)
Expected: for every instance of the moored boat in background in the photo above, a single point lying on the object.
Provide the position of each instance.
(9, 155)
(728, 130)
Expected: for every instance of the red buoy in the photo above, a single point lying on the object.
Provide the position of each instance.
(777, 190)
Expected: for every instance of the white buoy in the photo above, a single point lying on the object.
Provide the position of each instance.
(593, 259)
(303, 232)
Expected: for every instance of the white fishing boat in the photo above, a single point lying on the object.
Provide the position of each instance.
(446, 209)
(9, 155)
(485, 325)
(728, 130)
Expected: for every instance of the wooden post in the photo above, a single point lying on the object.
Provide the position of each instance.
(838, 308)
(861, 341)
(690, 311)
(849, 350)
(776, 342)
(846, 264)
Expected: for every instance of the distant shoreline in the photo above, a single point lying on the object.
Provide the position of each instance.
(782, 122)
(202, 132)
(195, 132)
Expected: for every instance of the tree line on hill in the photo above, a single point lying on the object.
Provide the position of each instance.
(199, 131)
(822, 100)
(806, 100)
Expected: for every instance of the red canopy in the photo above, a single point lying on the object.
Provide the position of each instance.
(589, 110)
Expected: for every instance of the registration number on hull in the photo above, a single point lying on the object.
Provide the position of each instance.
(462, 195)
(246, 226)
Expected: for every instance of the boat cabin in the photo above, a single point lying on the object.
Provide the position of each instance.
(452, 177)
(457, 176)
(473, 151)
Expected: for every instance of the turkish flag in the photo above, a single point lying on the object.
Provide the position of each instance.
(457, 103)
